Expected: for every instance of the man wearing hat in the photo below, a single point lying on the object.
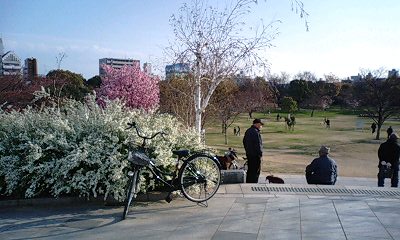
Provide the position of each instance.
(252, 143)
(322, 170)
(388, 154)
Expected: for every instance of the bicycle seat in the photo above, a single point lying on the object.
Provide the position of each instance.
(181, 153)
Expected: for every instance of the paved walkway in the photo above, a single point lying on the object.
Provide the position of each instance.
(236, 212)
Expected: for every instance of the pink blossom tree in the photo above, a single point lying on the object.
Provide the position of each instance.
(131, 85)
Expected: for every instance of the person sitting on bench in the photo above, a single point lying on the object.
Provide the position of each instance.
(322, 170)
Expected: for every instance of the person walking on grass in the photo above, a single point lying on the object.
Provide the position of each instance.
(328, 123)
(373, 127)
(389, 131)
(253, 146)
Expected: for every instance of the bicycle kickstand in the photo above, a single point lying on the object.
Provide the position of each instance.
(168, 198)
(203, 204)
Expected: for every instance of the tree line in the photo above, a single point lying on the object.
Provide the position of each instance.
(373, 93)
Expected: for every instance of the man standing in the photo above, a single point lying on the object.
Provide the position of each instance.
(389, 131)
(389, 153)
(252, 143)
(373, 127)
(322, 170)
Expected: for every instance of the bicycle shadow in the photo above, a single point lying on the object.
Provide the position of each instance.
(76, 219)
(70, 220)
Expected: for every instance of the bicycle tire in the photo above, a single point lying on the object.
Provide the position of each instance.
(199, 177)
(132, 191)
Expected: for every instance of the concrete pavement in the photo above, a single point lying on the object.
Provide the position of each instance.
(238, 211)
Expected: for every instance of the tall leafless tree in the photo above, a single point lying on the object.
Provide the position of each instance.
(212, 42)
(176, 98)
(224, 105)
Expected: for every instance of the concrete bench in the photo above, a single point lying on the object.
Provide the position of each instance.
(233, 176)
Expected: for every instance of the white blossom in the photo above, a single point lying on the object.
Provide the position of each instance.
(80, 148)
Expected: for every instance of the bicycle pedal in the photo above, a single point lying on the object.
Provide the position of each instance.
(168, 199)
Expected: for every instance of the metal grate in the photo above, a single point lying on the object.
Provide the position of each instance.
(328, 191)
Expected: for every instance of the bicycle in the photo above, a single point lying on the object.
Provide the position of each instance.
(197, 175)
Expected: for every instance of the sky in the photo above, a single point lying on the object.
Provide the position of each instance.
(344, 37)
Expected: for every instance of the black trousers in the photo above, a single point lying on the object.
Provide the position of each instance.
(254, 168)
(394, 178)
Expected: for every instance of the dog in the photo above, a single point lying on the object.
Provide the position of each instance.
(273, 179)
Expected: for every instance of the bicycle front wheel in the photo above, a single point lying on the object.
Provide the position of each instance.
(131, 191)
(199, 178)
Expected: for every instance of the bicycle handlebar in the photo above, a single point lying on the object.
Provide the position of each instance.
(133, 125)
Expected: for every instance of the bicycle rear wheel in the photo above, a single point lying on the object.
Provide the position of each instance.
(199, 178)
(131, 192)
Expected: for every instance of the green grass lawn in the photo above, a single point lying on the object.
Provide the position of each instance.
(352, 144)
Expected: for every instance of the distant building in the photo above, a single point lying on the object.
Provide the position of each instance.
(30, 69)
(348, 80)
(1, 56)
(177, 69)
(393, 73)
(11, 64)
(355, 78)
(147, 68)
(116, 63)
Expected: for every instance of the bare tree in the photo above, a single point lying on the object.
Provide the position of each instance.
(378, 96)
(176, 98)
(331, 78)
(224, 105)
(278, 84)
(255, 95)
(306, 75)
(321, 95)
(59, 58)
(212, 42)
(279, 79)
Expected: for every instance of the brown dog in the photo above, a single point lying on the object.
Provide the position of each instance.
(273, 179)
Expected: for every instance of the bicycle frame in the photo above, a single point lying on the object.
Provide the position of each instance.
(172, 184)
(160, 175)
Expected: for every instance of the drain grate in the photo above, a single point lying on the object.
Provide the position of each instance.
(330, 191)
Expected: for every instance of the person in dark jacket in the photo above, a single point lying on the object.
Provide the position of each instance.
(252, 143)
(322, 170)
(373, 127)
(388, 154)
(389, 131)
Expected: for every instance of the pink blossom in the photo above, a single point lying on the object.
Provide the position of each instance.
(131, 85)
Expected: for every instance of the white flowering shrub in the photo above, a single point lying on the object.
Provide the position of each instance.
(80, 148)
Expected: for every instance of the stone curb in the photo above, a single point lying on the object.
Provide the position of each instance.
(62, 201)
